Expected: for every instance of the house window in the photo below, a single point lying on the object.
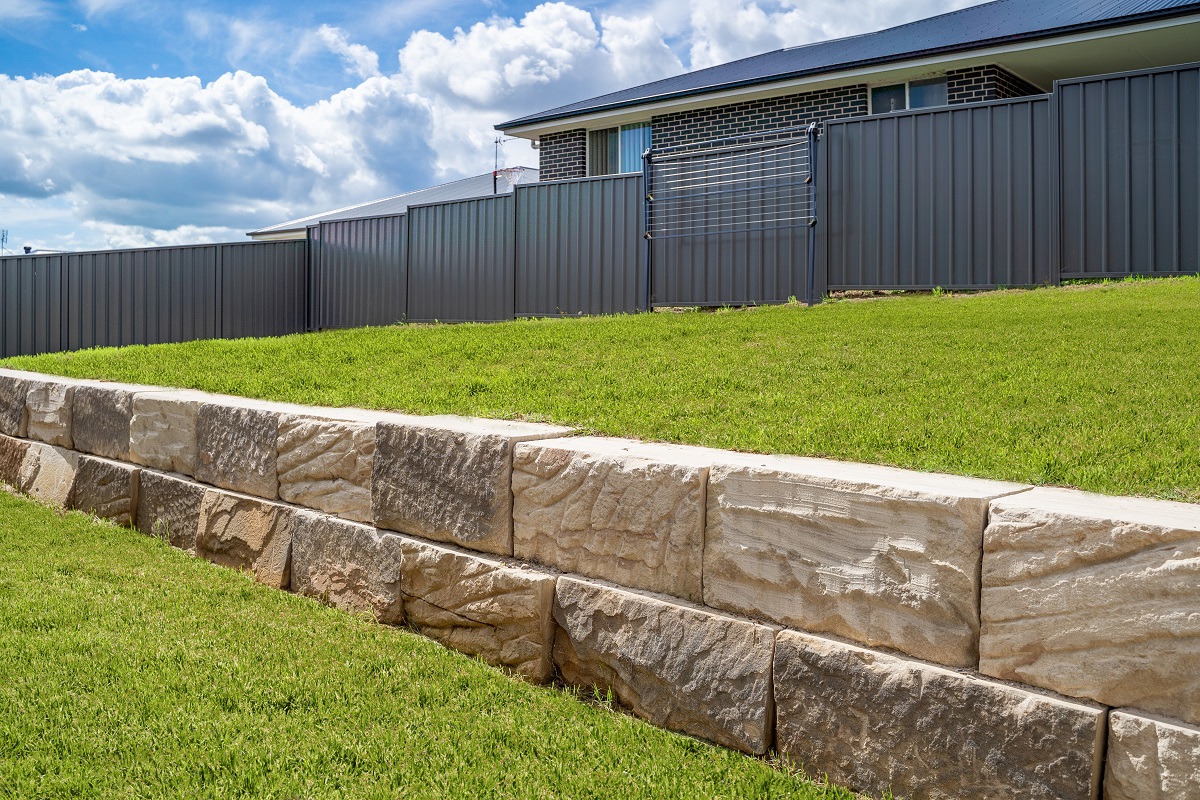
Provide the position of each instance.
(603, 153)
(913, 94)
(614, 150)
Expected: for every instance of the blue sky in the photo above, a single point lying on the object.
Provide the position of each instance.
(135, 122)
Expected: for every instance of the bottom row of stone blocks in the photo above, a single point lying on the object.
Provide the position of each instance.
(868, 720)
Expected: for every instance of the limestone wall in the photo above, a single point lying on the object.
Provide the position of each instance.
(931, 635)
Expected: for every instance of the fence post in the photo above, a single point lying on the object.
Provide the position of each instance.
(813, 137)
(648, 198)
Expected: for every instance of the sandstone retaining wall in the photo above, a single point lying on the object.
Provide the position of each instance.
(931, 635)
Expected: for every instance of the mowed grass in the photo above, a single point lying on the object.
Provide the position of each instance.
(1096, 387)
(131, 670)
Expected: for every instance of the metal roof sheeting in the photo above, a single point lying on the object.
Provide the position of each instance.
(969, 28)
(476, 186)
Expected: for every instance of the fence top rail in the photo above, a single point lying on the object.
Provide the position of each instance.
(748, 140)
(163, 249)
(460, 200)
(325, 222)
(615, 176)
(1133, 73)
(958, 108)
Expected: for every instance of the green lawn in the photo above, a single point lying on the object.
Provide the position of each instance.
(1096, 387)
(131, 670)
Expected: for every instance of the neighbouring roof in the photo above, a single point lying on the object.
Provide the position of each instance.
(990, 24)
(476, 186)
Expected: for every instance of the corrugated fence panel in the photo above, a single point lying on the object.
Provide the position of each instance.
(958, 197)
(579, 247)
(461, 261)
(1130, 167)
(264, 288)
(31, 304)
(361, 272)
(149, 296)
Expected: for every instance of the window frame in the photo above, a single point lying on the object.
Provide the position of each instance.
(907, 84)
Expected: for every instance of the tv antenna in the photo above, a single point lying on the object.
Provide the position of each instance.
(3, 241)
(498, 143)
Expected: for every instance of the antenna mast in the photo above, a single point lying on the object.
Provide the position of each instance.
(3, 241)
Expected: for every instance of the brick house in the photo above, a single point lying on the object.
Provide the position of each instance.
(994, 51)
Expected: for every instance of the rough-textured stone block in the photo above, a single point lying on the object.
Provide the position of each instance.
(347, 565)
(1151, 759)
(701, 673)
(235, 448)
(624, 511)
(247, 533)
(1095, 596)
(449, 479)
(884, 556)
(100, 418)
(48, 473)
(162, 433)
(12, 455)
(875, 722)
(169, 508)
(326, 464)
(480, 606)
(14, 393)
(108, 489)
(48, 412)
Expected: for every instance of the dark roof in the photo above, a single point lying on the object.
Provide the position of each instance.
(1002, 21)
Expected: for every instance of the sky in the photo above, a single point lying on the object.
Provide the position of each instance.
(132, 123)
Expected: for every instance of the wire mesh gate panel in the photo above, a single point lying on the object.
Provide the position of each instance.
(729, 222)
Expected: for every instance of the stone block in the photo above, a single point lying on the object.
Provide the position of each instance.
(877, 723)
(326, 464)
(48, 473)
(235, 448)
(1151, 759)
(169, 508)
(100, 416)
(12, 455)
(107, 489)
(483, 607)
(624, 511)
(247, 533)
(883, 556)
(48, 412)
(349, 566)
(14, 392)
(1095, 596)
(690, 670)
(449, 479)
(162, 432)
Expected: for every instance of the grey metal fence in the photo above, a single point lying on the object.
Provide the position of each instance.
(579, 247)
(1130, 161)
(360, 272)
(958, 197)
(461, 261)
(111, 298)
(729, 220)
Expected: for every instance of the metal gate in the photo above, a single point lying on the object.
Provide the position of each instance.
(730, 221)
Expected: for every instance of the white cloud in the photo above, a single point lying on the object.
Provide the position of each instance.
(77, 27)
(23, 9)
(358, 59)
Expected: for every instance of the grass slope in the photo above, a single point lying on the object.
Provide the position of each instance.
(130, 670)
(1096, 387)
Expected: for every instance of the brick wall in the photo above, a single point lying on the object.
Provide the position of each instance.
(753, 116)
(562, 155)
(989, 82)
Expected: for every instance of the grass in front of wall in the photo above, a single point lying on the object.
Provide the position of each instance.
(1096, 387)
(131, 670)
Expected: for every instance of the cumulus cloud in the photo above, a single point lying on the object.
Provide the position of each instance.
(359, 59)
(168, 153)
